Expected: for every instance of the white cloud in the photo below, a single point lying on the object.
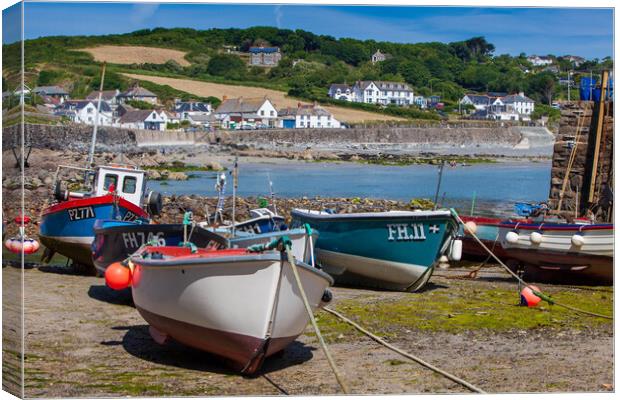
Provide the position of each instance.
(140, 13)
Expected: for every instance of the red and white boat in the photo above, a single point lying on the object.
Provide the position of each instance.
(579, 253)
(239, 305)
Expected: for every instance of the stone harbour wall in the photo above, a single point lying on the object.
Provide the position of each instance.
(578, 131)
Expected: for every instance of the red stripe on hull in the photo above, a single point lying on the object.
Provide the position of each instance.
(245, 353)
(92, 201)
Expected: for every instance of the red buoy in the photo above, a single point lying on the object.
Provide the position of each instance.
(528, 298)
(117, 276)
(22, 218)
(15, 244)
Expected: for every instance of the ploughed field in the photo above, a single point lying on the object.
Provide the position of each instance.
(279, 98)
(83, 339)
(136, 55)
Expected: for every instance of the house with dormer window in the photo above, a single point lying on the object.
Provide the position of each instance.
(339, 91)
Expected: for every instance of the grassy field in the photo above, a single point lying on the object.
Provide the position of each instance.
(136, 54)
(205, 89)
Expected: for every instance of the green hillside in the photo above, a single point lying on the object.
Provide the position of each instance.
(309, 65)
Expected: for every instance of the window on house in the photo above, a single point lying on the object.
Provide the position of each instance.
(262, 112)
(129, 185)
(271, 113)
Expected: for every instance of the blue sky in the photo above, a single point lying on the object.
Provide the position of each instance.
(584, 32)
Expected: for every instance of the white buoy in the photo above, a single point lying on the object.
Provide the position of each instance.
(471, 227)
(443, 262)
(512, 237)
(456, 250)
(536, 237)
(577, 240)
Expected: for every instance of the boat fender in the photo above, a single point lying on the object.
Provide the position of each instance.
(471, 227)
(456, 250)
(536, 237)
(154, 203)
(15, 245)
(528, 298)
(327, 296)
(577, 240)
(512, 237)
(118, 276)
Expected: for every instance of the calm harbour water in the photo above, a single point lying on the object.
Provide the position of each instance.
(496, 186)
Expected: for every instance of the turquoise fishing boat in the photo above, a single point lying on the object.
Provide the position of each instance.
(395, 250)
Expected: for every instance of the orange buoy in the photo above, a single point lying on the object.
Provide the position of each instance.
(528, 298)
(117, 276)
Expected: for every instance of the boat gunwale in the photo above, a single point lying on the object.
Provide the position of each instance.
(181, 262)
(95, 201)
(556, 227)
(423, 215)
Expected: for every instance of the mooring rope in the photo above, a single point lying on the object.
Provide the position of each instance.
(405, 354)
(543, 296)
(285, 245)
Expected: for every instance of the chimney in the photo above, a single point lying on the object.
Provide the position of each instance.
(224, 98)
(521, 94)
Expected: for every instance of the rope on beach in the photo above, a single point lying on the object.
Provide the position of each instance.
(405, 354)
(543, 296)
(286, 244)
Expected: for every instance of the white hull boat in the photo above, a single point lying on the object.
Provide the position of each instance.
(241, 306)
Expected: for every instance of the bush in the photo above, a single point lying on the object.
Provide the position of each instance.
(226, 65)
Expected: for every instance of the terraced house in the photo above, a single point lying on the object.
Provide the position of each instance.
(241, 112)
(383, 92)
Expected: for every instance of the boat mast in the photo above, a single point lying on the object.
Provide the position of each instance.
(91, 155)
(235, 174)
(438, 184)
(273, 195)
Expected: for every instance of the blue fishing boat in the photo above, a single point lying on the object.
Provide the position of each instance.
(117, 192)
(395, 250)
(116, 240)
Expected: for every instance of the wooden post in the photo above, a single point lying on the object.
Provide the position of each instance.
(597, 142)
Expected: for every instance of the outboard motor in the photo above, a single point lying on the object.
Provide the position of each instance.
(154, 203)
(59, 193)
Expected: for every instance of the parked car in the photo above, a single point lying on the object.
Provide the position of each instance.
(262, 126)
(246, 127)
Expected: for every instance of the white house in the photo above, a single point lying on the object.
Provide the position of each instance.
(143, 119)
(339, 91)
(84, 112)
(540, 61)
(507, 107)
(521, 104)
(420, 101)
(249, 111)
(383, 92)
(187, 109)
(307, 116)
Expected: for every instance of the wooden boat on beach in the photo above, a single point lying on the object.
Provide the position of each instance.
(558, 252)
(239, 305)
(395, 250)
(487, 230)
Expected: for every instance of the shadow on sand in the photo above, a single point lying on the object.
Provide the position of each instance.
(107, 295)
(138, 342)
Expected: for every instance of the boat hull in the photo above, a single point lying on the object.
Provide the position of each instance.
(242, 307)
(302, 246)
(391, 250)
(67, 228)
(556, 258)
(116, 240)
(487, 230)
